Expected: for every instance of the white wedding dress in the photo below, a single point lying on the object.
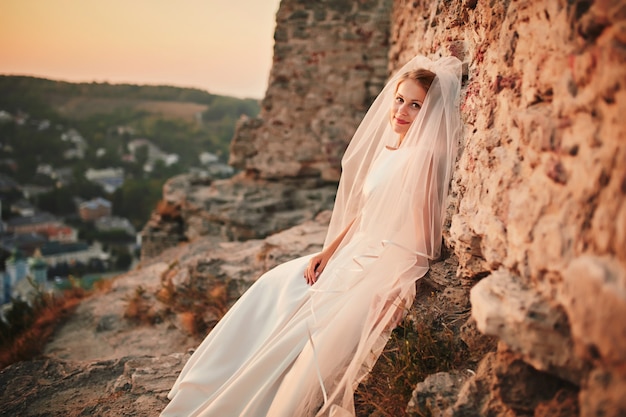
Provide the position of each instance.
(283, 339)
(287, 349)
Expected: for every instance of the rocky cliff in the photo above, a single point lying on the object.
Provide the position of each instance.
(540, 219)
(330, 62)
(537, 224)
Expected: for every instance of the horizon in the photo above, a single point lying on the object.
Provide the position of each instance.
(125, 83)
(223, 49)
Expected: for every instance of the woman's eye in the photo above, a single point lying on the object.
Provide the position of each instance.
(416, 106)
(399, 100)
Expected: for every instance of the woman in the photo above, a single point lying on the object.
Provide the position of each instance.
(298, 342)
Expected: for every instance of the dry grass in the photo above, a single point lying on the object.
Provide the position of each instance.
(47, 312)
(83, 107)
(423, 344)
(189, 322)
(138, 307)
(103, 285)
(173, 109)
(197, 304)
(167, 210)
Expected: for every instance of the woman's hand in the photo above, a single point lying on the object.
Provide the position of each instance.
(315, 267)
(318, 262)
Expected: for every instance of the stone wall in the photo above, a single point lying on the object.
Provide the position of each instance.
(330, 61)
(541, 182)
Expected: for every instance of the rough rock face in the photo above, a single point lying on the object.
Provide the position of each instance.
(541, 181)
(437, 393)
(128, 386)
(330, 62)
(238, 208)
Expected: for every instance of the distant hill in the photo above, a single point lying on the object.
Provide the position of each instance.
(22, 91)
(207, 119)
(181, 121)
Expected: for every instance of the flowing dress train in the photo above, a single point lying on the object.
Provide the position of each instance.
(288, 349)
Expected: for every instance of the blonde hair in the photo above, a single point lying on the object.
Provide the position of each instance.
(421, 76)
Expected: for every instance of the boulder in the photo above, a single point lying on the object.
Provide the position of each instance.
(529, 324)
(436, 394)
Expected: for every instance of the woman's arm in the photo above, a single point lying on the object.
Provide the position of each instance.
(319, 261)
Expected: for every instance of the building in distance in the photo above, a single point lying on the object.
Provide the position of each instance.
(37, 223)
(109, 178)
(109, 224)
(94, 209)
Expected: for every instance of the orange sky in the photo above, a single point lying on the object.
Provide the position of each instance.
(221, 46)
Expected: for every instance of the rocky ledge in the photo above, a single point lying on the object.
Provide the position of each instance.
(122, 350)
(97, 363)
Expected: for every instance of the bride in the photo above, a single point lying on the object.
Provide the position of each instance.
(298, 342)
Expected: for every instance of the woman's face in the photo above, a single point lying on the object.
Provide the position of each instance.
(407, 103)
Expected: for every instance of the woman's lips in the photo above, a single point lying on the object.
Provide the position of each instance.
(400, 121)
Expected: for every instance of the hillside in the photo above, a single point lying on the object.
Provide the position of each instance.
(204, 121)
(106, 119)
(13, 87)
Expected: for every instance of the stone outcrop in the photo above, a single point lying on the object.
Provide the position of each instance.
(104, 363)
(330, 62)
(503, 306)
(436, 394)
(505, 385)
(235, 209)
(127, 386)
(539, 190)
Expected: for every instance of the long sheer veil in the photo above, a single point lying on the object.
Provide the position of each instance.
(433, 139)
(402, 227)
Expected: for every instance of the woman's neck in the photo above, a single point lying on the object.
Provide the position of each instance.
(393, 148)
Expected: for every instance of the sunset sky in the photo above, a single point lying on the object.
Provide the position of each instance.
(221, 46)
